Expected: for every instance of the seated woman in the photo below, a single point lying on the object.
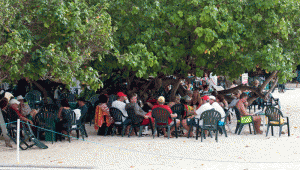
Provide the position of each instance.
(14, 112)
(99, 115)
(25, 110)
(3, 106)
(64, 114)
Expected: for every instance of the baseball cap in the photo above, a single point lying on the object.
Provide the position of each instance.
(120, 94)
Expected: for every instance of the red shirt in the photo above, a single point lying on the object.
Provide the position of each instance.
(165, 107)
(17, 111)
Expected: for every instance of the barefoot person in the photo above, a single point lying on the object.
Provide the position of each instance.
(241, 105)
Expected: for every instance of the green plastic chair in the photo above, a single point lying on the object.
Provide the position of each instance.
(161, 117)
(136, 120)
(45, 120)
(118, 118)
(241, 121)
(210, 120)
(34, 99)
(275, 118)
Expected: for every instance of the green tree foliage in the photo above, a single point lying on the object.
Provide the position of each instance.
(194, 36)
(53, 39)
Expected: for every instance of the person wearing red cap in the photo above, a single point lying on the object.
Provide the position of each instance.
(119, 104)
(191, 121)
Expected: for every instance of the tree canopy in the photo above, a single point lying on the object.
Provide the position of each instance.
(53, 39)
(96, 40)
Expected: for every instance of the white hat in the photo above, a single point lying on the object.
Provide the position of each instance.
(20, 97)
(8, 95)
(187, 98)
(212, 97)
(14, 101)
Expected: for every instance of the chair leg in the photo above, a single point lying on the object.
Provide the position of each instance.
(250, 128)
(157, 132)
(135, 131)
(113, 130)
(202, 134)
(237, 127)
(268, 127)
(197, 132)
(224, 130)
(288, 127)
(86, 135)
(123, 130)
(168, 132)
(191, 127)
(77, 133)
(217, 135)
(240, 129)
(130, 130)
(140, 131)
(154, 129)
(272, 130)
(280, 129)
(106, 130)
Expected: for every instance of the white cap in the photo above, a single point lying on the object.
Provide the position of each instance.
(20, 97)
(212, 97)
(14, 101)
(8, 95)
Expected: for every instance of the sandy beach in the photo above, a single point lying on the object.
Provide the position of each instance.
(245, 151)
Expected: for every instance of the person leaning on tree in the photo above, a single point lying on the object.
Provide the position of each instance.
(241, 105)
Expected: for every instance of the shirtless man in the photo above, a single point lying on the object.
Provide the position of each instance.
(241, 105)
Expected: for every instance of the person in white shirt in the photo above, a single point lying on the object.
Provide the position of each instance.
(204, 107)
(119, 104)
(217, 107)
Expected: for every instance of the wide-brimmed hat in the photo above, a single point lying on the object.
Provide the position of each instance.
(14, 101)
(20, 97)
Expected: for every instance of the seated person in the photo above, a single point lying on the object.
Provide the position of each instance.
(25, 110)
(222, 102)
(161, 102)
(241, 105)
(64, 114)
(83, 107)
(217, 106)
(144, 116)
(14, 112)
(119, 104)
(205, 90)
(3, 120)
(189, 110)
(190, 121)
(236, 96)
(196, 99)
(172, 102)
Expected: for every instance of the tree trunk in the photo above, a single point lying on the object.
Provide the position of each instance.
(175, 88)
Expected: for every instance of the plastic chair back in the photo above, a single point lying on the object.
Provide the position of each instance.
(179, 110)
(210, 119)
(273, 114)
(161, 116)
(94, 99)
(135, 119)
(116, 114)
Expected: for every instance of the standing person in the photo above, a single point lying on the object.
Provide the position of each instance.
(241, 105)
(196, 99)
(222, 102)
(3, 116)
(102, 115)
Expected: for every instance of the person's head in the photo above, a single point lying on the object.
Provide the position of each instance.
(81, 101)
(195, 92)
(14, 103)
(244, 97)
(205, 99)
(173, 99)
(161, 100)
(189, 93)
(205, 87)
(3, 103)
(177, 99)
(20, 99)
(103, 98)
(8, 95)
(188, 100)
(212, 99)
(121, 96)
(203, 83)
(220, 98)
(256, 83)
(64, 103)
(133, 98)
(237, 93)
(205, 75)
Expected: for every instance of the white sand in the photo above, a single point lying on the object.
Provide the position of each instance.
(245, 151)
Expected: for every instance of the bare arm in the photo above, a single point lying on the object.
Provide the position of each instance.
(59, 112)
